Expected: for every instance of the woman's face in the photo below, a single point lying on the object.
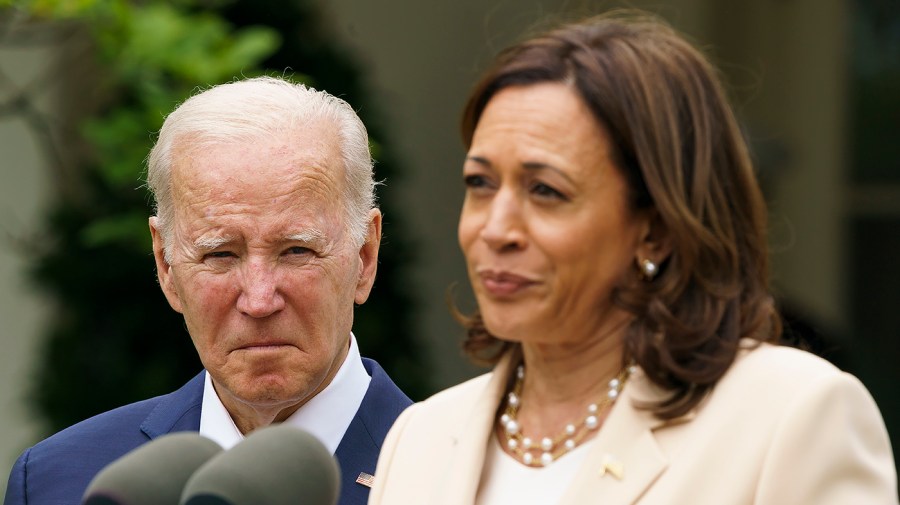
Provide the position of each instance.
(545, 226)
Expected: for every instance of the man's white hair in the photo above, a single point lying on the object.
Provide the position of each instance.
(250, 109)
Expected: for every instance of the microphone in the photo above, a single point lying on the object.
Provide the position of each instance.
(275, 465)
(152, 474)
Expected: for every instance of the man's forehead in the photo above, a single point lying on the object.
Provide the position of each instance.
(260, 163)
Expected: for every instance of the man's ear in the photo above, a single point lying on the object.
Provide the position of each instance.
(368, 257)
(163, 269)
(655, 242)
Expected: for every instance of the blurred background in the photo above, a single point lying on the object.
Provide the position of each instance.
(85, 84)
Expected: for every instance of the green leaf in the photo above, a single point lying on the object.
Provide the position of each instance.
(129, 230)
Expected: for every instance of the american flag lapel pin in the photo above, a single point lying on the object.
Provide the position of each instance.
(365, 479)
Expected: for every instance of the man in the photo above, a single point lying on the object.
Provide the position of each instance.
(265, 236)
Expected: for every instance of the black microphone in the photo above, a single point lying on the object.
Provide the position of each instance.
(275, 465)
(152, 474)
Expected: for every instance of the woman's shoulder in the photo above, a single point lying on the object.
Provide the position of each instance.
(441, 414)
(782, 358)
(447, 409)
(777, 374)
(457, 396)
(815, 422)
(780, 364)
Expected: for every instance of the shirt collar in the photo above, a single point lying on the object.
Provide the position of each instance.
(326, 416)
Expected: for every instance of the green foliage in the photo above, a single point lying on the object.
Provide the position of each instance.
(115, 339)
(157, 56)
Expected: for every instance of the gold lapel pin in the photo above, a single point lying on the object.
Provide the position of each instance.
(608, 465)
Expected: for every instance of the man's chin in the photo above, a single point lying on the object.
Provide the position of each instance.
(270, 390)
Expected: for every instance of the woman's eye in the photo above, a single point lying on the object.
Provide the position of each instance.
(543, 190)
(474, 181)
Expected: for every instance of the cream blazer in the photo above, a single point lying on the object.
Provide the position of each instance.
(781, 427)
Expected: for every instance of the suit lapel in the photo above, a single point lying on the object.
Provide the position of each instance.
(470, 440)
(357, 453)
(625, 458)
(177, 411)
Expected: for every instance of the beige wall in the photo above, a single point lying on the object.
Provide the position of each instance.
(24, 190)
(789, 63)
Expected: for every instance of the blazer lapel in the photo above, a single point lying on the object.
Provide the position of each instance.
(625, 458)
(177, 411)
(469, 442)
(357, 453)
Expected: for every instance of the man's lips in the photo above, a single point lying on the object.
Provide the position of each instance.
(503, 283)
(261, 346)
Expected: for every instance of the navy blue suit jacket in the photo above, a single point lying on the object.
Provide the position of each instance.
(57, 470)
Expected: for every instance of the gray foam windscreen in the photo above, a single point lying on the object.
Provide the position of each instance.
(152, 474)
(276, 465)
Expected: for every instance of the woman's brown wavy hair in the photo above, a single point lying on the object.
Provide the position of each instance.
(679, 146)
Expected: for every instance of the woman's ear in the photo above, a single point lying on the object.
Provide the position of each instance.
(655, 243)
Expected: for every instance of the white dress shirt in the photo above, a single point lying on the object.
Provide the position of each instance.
(326, 416)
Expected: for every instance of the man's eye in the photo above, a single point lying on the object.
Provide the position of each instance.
(297, 250)
(220, 254)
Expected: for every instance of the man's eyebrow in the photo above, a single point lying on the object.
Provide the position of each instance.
(307, 236)
(210, 243)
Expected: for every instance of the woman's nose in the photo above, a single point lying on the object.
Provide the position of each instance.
(504, 227)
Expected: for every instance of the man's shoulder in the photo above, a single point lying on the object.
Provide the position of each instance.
(119, 424)
(103, 425)
(59, 468)
(64, 463)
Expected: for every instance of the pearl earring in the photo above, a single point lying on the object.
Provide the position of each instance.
(649, 269)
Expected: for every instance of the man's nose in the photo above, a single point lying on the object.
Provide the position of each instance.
(260, 296)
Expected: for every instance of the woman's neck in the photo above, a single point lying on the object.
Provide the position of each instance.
(561, 381)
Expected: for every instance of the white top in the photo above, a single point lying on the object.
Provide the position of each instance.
(326, 416)
(506, 481)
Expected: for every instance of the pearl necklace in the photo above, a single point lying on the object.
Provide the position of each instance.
(549, 449)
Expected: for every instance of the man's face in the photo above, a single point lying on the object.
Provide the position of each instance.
(262, 266)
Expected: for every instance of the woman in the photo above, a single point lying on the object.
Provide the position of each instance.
(614, 235)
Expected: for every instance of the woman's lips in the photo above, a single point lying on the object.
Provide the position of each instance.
(501, 283)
